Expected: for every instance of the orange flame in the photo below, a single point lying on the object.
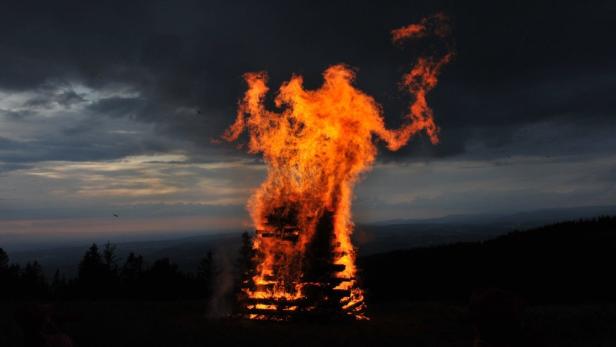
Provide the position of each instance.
(315, 148)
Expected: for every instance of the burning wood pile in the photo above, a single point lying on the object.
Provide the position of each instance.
(315, 149)
(313, 286)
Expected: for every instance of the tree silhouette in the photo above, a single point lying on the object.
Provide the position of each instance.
(5, 276)
(91, 273)
(163, 280)
(58, 284)
(205, 273)
(109, 258)
(245, 271)
(131, 275)
(4, 260)
(111, 279)
(246, 259)
(33, 284)
(132, 270)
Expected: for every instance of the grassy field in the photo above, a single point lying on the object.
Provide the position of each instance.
(413, 324)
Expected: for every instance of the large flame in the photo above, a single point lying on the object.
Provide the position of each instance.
(315, 147)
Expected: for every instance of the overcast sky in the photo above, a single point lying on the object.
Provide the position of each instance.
(111, 107)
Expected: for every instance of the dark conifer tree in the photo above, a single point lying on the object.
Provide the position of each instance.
(4, 260)
(205, 273)
(5, 277)
(244, 271)
(92, 271)
(33, 283)
(131, 276)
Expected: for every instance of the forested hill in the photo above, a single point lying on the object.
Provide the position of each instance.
(569, 262)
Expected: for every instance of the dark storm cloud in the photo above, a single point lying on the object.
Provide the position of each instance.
(118, 106)
(86, 139)
(516, 64)
(67, 150)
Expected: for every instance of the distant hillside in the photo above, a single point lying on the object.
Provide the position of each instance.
(398, 234)
(517, 220)
(373, 239)
(563, 262)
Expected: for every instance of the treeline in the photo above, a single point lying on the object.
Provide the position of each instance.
(569, 262)
(102, 275)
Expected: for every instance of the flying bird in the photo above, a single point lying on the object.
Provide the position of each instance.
(115, 215)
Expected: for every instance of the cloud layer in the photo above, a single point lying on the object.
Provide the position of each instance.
(115, 104)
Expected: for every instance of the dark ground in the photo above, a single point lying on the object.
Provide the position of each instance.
(108, 323)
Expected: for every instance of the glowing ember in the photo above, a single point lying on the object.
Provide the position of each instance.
(315, 148)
